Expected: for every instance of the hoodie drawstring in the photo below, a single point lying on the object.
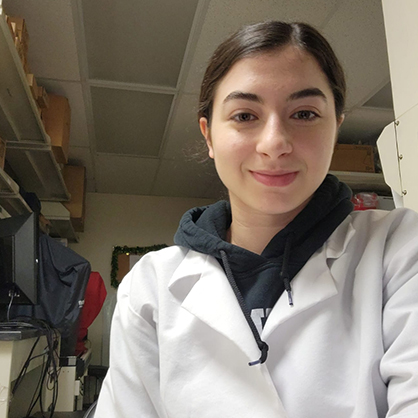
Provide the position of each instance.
(261, 344)
(284, 276)
(284, 273)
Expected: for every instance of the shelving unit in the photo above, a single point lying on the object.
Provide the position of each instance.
(374, 182)
(29, 149)
(10, 198)
(59, 217)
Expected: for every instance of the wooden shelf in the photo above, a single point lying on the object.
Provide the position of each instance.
(28, 152)
(374, 182)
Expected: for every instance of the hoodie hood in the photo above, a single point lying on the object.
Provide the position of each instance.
(204, 229)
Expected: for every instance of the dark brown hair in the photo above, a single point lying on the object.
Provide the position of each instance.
(265, 37)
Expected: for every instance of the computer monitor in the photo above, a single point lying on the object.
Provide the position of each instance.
(19, 259)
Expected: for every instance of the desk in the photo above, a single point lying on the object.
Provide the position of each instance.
(13, 354)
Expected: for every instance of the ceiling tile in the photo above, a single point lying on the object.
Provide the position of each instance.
(183, 178)
(225, 17)
(74, 93)
(356, 31)
(383, 98)
(125, 175)
(129, 122)
(52, 44)
(137, 42)
(315, 12)
(184, 138)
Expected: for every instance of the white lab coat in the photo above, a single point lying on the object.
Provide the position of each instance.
(180, 345)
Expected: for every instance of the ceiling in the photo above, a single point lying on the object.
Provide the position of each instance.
(131, 70)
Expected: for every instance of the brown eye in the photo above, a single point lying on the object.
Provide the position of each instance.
(305, 115)
(244, 117)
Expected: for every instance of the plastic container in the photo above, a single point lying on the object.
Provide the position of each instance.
(365, 201)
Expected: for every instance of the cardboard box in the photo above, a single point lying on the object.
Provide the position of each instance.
(19, 28)
(39, 109)
(33, 85)
(57, 120)
(75, 180)
(20, 50)
(42, 99)
(2, 153)
(358, 158)
(19, 23)
(12, 26)
(20, 35)
(25, 64)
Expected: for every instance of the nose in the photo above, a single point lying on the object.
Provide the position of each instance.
(274, 140)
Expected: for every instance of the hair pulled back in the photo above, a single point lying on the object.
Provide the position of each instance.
(264, 37)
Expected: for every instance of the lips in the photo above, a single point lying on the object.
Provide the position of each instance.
(274, 179)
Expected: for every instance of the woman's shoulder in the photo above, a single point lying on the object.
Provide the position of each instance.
(402, 218)
(145, 286)
(157, 267)
(377, 228)
(162, 261)
(387, 230)
(389, 214)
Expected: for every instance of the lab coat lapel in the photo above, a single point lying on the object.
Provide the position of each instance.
(314, 283)
(202, 287)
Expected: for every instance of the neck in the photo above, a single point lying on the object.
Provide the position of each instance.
(253, 231)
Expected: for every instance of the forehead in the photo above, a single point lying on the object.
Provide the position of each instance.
(285, 69)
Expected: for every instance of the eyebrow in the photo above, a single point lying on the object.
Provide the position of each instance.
(240, 95)
(311, 92)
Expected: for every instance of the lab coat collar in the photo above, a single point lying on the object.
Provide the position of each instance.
(314, 283)
(201, 286)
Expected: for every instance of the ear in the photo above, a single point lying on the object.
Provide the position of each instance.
(340, 121)
(204, 128)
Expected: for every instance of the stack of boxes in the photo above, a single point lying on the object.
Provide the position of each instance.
(57, 120)
(20, 35)
(55, 113)
(21, 39)
(75, 180)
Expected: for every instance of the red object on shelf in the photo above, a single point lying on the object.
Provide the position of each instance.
(365, 201)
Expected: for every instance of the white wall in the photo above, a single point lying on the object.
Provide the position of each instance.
(113, 220)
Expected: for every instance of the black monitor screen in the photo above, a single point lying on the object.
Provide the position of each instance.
(19, 259)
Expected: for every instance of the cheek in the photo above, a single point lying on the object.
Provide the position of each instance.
(230, 145)
(317, 150)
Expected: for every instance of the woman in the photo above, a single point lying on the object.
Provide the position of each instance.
(282, 302)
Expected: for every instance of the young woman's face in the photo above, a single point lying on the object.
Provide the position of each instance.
(273, 131)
